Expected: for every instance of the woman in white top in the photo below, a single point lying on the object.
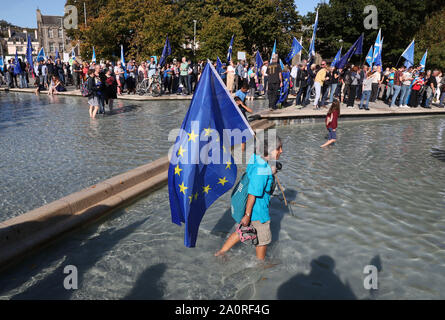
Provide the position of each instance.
(230, 76)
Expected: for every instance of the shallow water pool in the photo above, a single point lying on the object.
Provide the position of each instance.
(376, 198)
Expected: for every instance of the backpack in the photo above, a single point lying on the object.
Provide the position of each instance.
(84, 89)
(239, 198)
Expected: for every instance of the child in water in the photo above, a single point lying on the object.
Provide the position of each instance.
(331, 123)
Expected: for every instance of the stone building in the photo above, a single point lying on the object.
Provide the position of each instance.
(17, 42)
(51, 35)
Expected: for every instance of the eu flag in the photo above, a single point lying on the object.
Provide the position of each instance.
(353, 50)
(29, 55)
(165, 52)
(296, 48)
(17, 66)
(201, 166)
(284, 90)
(229, 52)
(336, 58)
(2, 64)
(258, 62)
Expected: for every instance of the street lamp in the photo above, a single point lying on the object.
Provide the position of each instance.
(194, 37)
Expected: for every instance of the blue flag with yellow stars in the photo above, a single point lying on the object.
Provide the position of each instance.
(284, 90)
(201, 164)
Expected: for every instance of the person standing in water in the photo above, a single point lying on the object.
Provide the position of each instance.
(331, 123)
(260, 171)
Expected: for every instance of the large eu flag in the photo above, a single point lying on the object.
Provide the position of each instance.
(201, 166)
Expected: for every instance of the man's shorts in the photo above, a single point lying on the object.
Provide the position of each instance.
(332, 134)
(263, 232)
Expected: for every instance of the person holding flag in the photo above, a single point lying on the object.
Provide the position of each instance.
(201, 166)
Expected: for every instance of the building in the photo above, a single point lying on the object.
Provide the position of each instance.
(17, 42)
(51, 35)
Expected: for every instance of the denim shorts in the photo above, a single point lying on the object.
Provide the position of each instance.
(332, 134)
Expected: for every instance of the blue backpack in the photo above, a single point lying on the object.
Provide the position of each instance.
(240, 195)
(239, 198)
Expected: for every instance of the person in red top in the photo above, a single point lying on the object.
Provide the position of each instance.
(331, 123)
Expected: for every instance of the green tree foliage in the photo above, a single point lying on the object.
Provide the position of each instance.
(141, 26)
(343, 20)
(431, 36)
(211, 46)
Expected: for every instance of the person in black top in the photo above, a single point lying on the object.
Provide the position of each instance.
(275, 79)
(431, 86)
(77, 71)
(302, 80)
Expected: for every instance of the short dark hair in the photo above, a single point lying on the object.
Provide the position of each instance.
(265, 146)
(245, 86)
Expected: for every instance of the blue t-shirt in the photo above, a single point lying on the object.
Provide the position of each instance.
(260, 184)
(241, 95)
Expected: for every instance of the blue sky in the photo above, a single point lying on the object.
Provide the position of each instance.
(23, 12)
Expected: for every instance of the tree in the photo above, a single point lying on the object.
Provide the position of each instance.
(215, 36)
(141, 26)
(432, 37)
(343, 19)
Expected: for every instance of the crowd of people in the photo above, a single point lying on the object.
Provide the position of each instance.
(402, 87)
(321, 84)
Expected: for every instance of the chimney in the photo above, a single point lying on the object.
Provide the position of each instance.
(9, 32)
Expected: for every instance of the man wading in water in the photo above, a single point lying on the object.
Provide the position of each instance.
(261, 179)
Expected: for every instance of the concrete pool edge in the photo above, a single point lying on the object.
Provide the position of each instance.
(34, 229)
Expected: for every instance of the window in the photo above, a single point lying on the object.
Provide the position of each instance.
(60, 47)
(51, 47)
(60, 33)
(50, 33)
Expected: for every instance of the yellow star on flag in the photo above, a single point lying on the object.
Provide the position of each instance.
(182, 187)
(224, 148)
(181, 151)
(192, 136)
(178, 170)
(206, 189)
(196, 196)
(208, 131)
(222, 181)
(228, 164)
(191, 199)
